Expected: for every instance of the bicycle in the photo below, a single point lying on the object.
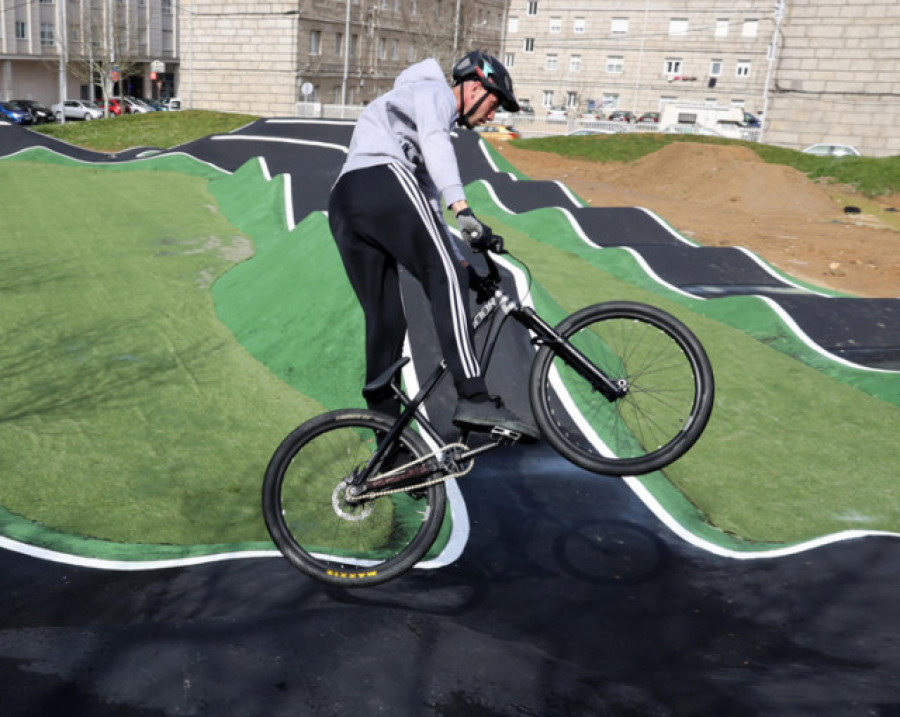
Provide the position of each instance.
(356, 498)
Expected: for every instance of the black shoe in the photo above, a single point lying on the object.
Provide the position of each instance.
(489, 414)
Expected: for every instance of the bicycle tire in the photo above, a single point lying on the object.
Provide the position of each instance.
(668, 404)
(318, 531)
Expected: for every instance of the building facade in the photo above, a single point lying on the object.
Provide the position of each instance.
(815, 70)
(638, 55)
(117, 42)
(277, 58)
(838, 76)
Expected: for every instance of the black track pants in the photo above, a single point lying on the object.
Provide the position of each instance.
(379, 217)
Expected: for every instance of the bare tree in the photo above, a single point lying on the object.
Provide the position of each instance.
(103, 51)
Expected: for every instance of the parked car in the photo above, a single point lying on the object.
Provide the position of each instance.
(621, 116)
(115, 107)
(497, 131)
(591, 116)
(525, 108)
(648, 118)
(557, 113)
(134, 106)
(155, 105)
(39, 113)
(833, 150)
(16, 114)
(77, 110)
(585, 131)
(172, 103)
(751, 120)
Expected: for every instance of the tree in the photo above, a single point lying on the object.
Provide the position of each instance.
(102, 51)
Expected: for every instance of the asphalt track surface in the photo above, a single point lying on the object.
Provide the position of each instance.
(570, 598)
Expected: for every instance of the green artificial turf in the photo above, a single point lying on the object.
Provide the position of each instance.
(151, 366)
(798, 446)
(129, 411)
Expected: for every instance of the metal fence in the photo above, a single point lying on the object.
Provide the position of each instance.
(531, 126)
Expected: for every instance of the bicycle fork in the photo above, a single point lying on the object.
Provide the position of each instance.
(545, 335)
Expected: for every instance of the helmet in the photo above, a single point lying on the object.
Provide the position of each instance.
(492, 75)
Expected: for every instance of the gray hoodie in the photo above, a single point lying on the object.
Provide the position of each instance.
(411, 125)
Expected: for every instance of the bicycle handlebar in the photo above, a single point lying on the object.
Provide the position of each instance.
(485, 285)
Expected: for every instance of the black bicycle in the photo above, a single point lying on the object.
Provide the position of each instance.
(356, 498)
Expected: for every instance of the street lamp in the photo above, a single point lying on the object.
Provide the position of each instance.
(346, 59)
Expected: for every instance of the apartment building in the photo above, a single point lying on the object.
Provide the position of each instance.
(276, 58)
(638, 55)
(131, 44)
(838, 76)
(817, 70)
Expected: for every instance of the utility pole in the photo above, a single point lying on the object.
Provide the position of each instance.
(346, 59)
(61, 38)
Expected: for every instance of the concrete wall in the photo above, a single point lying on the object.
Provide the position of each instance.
(239, 56)
(838, 77)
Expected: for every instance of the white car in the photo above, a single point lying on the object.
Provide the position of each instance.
(77, 110)
(134, 106)
(557, 114)
(833, 150)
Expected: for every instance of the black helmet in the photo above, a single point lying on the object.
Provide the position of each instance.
(491, 73)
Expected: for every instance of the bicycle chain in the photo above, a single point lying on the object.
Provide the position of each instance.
(417, 486)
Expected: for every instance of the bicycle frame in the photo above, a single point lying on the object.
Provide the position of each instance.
(542, 334)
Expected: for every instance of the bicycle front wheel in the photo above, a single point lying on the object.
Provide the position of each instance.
(323, 534)
(669, 390)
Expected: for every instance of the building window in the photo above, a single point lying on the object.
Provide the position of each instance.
(579, 26)
(512, 24)
(678, 26)
(395, 49)
(354, 44)
(743, 68)
(21, 31)
(610, 101)
(571, 100)
(382, 48)
(315, 42)
(715, 68)
(550, 63)
(722, 27)
(509, 59)
(574, 63)
(339, 44)
(529, 44)
(672, 66)
(615, 64)
(750, 28)
(532, 7)
(547, 98)
(48, 37)
(166, 8)
(555, 25)
(619, 26)
(46, 2)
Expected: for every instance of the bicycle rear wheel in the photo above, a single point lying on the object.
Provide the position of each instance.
(319, 531)
(667, 405)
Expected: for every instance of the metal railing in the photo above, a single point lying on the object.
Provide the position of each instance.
(539, 126)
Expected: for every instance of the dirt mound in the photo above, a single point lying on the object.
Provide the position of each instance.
(725, 176)
(727, 196)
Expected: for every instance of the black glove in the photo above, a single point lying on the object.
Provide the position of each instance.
(477, 235)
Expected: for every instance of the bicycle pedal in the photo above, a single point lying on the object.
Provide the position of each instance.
(505, 435)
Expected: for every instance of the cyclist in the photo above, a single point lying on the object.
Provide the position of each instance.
(385, 210)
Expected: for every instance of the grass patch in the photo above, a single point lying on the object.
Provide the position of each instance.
(780, 460)
(871, 176)
(151, 129)
(135, 414)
